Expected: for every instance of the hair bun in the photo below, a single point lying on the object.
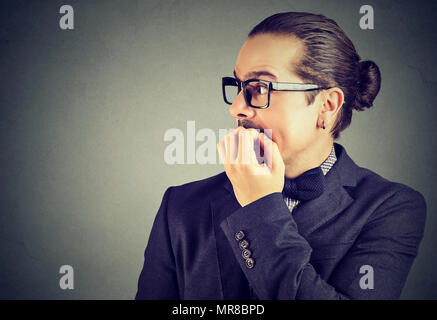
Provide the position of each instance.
(369, 83)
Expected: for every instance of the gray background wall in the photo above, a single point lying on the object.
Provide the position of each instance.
(84, 112)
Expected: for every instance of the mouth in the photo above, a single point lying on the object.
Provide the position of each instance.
(247, 124)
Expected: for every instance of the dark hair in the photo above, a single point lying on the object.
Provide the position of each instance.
(329, 59)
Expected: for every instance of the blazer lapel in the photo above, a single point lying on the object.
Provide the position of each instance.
(310, 215)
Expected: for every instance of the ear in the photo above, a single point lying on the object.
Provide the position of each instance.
(332, 101)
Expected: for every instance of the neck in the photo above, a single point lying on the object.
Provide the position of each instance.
(307, 159)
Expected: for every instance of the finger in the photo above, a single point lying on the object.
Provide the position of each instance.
(265, 151)
(221, 151)
(229, 149)
(240, 134)
(252, 139)
(257, 145)
(250, 143)
(235, 141)
(267, 145)
(264, 163)
(244, 147)
(232, 144)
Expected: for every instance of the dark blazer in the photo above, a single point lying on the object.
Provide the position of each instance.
(322, 250)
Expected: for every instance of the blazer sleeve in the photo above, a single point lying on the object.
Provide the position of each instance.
(158, 278)
(282, 270)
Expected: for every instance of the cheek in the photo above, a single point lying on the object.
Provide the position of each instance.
(302, 122)
(296, 123)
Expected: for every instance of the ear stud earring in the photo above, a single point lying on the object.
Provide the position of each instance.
(323, 125)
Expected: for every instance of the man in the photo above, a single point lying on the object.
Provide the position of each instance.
(314, 225)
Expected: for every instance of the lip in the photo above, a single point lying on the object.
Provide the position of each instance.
(245, 126)
(261, 130)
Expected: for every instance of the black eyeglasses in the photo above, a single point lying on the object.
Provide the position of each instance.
(257, 92)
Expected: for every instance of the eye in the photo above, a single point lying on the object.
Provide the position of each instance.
(262, 89)
(258, 88)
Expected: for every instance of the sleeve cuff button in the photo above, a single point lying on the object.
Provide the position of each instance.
(239, 235)
(250, 263)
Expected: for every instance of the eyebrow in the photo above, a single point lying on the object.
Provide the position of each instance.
(256, 74)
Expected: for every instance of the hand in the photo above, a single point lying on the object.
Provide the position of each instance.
(250, 179)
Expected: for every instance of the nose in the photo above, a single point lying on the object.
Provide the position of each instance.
(239, 108)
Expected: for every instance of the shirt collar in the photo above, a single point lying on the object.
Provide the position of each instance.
(329, 162)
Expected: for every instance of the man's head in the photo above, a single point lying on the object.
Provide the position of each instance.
(304, 48)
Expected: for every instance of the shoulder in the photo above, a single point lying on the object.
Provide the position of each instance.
(379, 199)
(200, 190)
(365, 184)
(193, 198)
(389, 200)
(377, 186)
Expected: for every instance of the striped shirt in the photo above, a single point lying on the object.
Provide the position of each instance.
(326, 166)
